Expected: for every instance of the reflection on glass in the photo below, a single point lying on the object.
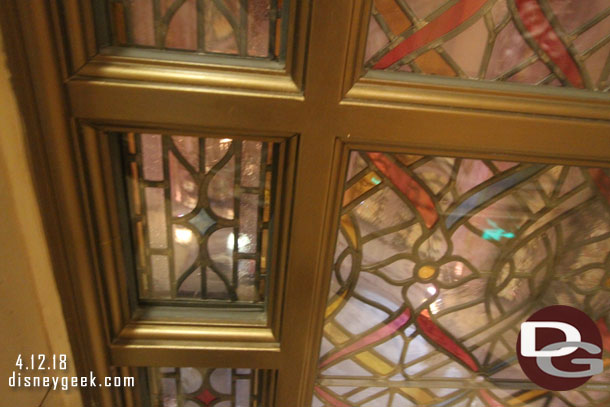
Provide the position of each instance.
(197, 387)
(438, 261)
(554, 42)
(248, 28)
(200, 216)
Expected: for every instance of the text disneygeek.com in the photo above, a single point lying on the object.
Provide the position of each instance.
(42, 363)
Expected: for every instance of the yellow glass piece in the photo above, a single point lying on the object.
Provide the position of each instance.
(374, 363)
(432, 63)
(426, 272)
(335, 304)
(419, 395)
(359, 188)
(369, 359)
(397, 21)
(348, 227)
(526, 396)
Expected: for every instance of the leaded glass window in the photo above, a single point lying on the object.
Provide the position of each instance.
(246, 28)
(438, 260)
(201, 387)
(542, 42)
(200, 213)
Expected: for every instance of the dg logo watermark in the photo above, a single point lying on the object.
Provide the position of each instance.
(560, 348)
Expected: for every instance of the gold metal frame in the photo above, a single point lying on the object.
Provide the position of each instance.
(69, 92)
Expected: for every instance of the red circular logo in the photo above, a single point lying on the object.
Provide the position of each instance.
(560, 348)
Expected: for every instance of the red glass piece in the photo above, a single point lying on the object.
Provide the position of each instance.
(542, 32)
(436, 335)
(329, 399)
(603, 330)
(376, 336)
(602, 181)
(206, 397)
(488, 399)
(408, 186)
(440, 26)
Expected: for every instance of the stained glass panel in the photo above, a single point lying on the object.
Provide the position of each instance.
(541, 42)
(438, 261)
(200, 213)
(200, 387)
(247, 28)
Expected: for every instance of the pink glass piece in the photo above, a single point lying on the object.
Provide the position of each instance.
(574, 13)
(471, 174)
(376, 39)
(329, 399)
(510, 50)
(374, 337)
(182, 31)
(220, 191)
(251, 163)
(423, 8)
(184, 190)
(467, 48)
(595, 63)
(258, 28)
(142, 22)
(532, 74)
(504, 165)
(572, 180)
(189, 148)
(489, 399)
(152, 162)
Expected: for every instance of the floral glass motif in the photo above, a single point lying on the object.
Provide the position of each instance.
(248, 28)
(198, 387)
(542, 42)
(200, 213)
(439, 260)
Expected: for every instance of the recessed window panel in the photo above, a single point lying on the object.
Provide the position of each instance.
(245, 28)
(554, 42)
(438, 260)
(200, 211)
(197, 387)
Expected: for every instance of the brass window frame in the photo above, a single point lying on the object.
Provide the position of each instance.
(161, 329)
(67, 90)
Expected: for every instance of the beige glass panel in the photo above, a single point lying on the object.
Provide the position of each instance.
(247, 28)
(546, 42)
(200, 213)
(438, 261)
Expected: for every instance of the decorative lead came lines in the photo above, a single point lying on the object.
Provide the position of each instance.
(439, 260)
(200, 210)
(541, 42)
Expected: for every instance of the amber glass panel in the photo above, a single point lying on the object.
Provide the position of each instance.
(248, 28)
(200, 212)
(199, 387)
(439, 260)
(541, 42)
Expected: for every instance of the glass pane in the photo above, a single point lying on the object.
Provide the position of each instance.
(196, 387)
(439, 260)
(247, 28)
(200, 213)
(552, 42)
